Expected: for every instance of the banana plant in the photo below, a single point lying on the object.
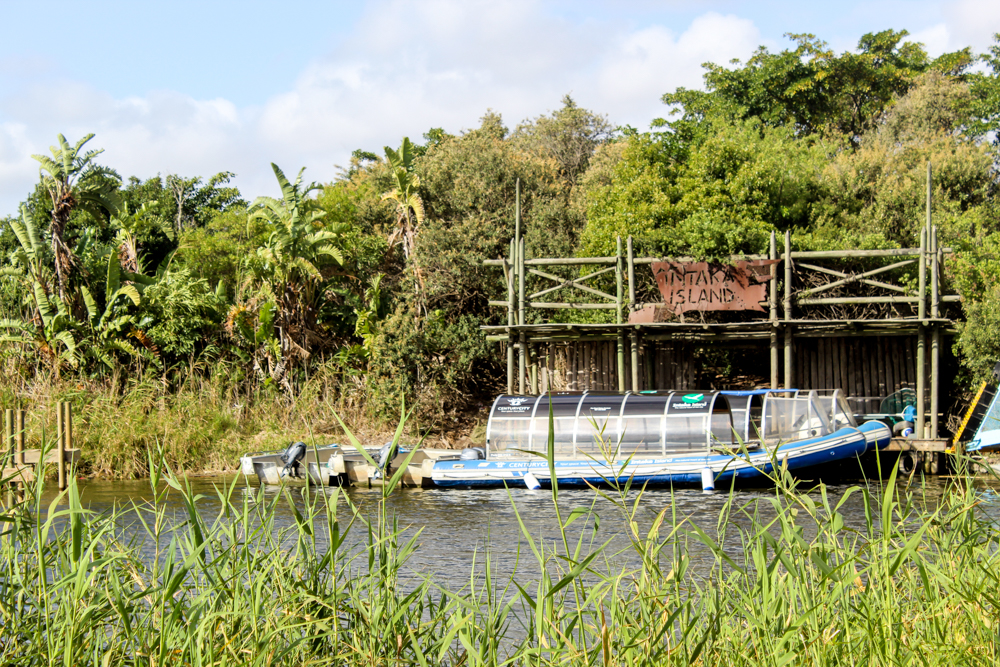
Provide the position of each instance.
(74, 181)
(110, 328)
(52, 332)
(50, 329)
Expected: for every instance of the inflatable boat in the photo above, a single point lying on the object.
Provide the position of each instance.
(660, 438)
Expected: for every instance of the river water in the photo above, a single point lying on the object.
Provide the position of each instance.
(458, 527)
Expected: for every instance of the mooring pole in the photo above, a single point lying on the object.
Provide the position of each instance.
(935, 328)
(788, 309)
(511, 270)
(19, 436)
(634, 337)
(65, 422)
(772, 306)
(522, 357)
(921, 336)
(8, 451)
(522, 351)
(620, 304)
(8, 444)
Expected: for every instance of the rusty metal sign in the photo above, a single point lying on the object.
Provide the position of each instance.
(702, 286)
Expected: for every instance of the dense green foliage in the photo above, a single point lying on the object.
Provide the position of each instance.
(376, 280)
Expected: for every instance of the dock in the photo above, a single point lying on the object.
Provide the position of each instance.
(19, 465)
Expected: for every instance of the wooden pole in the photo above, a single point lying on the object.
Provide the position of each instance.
(64, 438)
(60, 428)
(510, 316)
(8, 448)
(788, 309)
(619, 278)
(522, 343)
(921, 337)
(634, 339)
(19, 436)
(534, 368)
(772, 305)
(631, 278)
(935, 328)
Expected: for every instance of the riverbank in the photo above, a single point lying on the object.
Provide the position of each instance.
(205, 424)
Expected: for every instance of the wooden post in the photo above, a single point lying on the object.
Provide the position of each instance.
(635, 361)
(788, 309)
(921, 337)
(533, 349)
(772, 306)
(510, 316)
(620, 298)
(631, 278)
(634, 336)
(935, 329)
(60, 435)
(8, 434)
(522, 346)
(66, 437)
(19, 436)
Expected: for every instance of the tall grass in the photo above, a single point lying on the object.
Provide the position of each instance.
(916, 583)
(203, 422)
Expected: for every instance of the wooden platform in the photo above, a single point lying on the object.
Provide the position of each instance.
(18, 474)
(916, 445)
(31, 456)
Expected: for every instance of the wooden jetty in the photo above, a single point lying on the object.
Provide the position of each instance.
(870, 322)
(19, 464)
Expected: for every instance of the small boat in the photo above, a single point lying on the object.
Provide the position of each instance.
(661, 438)
(335, 465)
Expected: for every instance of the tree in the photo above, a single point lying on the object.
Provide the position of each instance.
(569, 136)
(291, 259)
(73, 181)
(811, 87)
(404, 195)
(985, 89)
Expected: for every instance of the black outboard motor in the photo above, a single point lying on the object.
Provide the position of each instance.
(385, 457)
(291, 456)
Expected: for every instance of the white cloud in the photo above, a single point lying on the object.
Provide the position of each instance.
(647, 63)
(408, 66)
(972, 22)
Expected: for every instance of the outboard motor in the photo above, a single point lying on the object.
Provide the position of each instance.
(291, 456)
(472, 454)
(385, 457)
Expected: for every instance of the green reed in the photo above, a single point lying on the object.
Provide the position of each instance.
(917, 583)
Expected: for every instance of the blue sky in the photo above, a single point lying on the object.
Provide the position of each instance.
(200, 87)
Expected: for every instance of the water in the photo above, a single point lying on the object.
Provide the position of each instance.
(457, 528)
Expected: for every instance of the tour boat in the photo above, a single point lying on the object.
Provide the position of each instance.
(660, 438)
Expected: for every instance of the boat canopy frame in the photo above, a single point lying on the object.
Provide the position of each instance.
(618, 425)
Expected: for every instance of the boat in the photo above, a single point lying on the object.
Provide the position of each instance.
(661, 438)
(337, 465)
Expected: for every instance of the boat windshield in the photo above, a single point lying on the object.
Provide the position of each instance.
(804, 415)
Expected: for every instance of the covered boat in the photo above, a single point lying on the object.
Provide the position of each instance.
(661, 438)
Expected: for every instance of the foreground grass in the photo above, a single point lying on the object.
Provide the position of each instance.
(914, 585)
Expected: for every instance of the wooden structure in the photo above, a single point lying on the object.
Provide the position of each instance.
(870, 322)
(20, 464)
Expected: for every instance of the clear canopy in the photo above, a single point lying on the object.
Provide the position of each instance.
(655, 423)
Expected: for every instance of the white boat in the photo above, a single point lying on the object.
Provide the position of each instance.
(661, 438)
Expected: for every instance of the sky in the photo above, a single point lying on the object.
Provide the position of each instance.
(199, 87)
